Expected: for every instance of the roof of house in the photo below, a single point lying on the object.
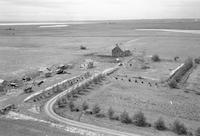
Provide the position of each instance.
(117, 48)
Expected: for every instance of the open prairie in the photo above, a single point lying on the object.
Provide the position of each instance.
(23, 48)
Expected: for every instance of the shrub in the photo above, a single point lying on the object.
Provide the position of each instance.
(155, 58)
(179, 128)
(96, 109)
(110, 113)
(197, 60)
(189, 133)
(197, 132)
(176, 58)
(197, 93)
(160, 124)
(139, 119)
(83, 47)
(85, 105)
(124, 118)
(71, 106)
(172, 83)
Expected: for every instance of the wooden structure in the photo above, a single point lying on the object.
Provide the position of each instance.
(118, 52)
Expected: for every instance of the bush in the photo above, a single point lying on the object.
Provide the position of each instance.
(110, 113)
(83, 47)
(197, 132)
(179, 128)
(160, 124)
(189, 133)
(85, 105)
(71, 106)
(96, 109)
(176, 58)
(172, 84)
(139, 119)
(197, 60)
(155, 58)
(124, 118)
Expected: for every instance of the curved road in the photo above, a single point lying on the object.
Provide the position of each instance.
(50, 112)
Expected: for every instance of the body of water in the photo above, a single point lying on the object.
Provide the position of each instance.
(52, 26)
(173, 30)
(46, 23)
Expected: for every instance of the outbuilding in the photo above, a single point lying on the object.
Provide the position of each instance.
(3, 85)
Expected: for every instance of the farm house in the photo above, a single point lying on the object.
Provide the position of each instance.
(118, 52)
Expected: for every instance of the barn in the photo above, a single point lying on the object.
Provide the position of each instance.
(117, 52)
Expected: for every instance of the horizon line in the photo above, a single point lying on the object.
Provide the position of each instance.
(95, 20)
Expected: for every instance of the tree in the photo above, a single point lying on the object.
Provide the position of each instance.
(160, 124)
(85, 105)
(197, 132)
(155, 58)
(71, 106)
(172, 84)
(110, 113)
(124, 117)
(179, 128)
(139, 119)
(96, 109)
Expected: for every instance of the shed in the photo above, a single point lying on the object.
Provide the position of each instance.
(3, 82)
(28, 89)
(127, 53)
(47, 74)
(3, 85)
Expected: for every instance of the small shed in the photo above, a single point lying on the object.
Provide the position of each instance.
(47, 74)
(127, 53)
(60, 71)
(3, 85)
(62, 66)
(3, 82)
(28, 89)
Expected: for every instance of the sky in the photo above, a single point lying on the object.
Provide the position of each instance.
(64, 10)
